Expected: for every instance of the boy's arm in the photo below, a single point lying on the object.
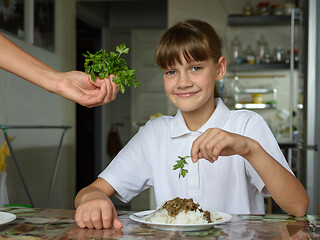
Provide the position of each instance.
(94, 208)
(285, 188)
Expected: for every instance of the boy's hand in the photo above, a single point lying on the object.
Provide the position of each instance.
(216, 142)
(97, 211)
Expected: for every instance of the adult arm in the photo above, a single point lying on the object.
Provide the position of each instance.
(94, 209)
(285, 188)
(74, 85)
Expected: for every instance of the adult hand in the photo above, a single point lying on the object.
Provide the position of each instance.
(215, 142)
(97, 211)
(79, 87)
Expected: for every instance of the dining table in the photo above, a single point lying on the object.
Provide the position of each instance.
(41, 223)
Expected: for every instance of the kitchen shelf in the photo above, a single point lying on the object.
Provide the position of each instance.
(256, 90)
(255, 106)
(240, 20)
(254, 67)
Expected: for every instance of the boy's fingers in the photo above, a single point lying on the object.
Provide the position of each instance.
(116, 222)
(78, 220)
(107, 218)
(86, 218)
(96, 219)
(195, 149)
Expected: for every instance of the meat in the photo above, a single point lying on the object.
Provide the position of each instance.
(177, 205)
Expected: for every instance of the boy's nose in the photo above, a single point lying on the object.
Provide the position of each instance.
(184, 81)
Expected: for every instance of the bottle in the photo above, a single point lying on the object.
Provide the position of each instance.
(236, 48)
(249, 54)
(295, 57)
(248, 9)
(257, 98)
(267, 56)
(289, 6)
(279, 55)
(263, 8)
(262, 46)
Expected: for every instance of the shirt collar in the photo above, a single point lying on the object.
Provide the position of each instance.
(178, 126)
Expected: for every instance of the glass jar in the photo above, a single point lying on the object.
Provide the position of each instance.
(257, 98)
(249, 55)
(236, 48)
(279, 55)
(263, 8)
(295, 57)
(267, 56)
(262, 46)
(248, 9)
(278, 9)
(289, 6)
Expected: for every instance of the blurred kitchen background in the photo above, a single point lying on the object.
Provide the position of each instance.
(272, 51)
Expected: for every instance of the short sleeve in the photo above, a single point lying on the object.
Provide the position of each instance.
(130, 172)
(259, 130)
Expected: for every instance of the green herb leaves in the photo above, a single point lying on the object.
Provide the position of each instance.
(103, 64)
(180, 165)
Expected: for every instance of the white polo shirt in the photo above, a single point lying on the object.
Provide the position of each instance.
(229, 185)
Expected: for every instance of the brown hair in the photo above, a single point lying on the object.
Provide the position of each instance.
(195, 39)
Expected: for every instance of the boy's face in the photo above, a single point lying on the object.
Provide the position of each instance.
(190, 86)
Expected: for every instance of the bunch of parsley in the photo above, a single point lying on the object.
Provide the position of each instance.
(180, 165)
(102, 64)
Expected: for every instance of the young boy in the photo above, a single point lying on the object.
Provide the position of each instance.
(250, 164)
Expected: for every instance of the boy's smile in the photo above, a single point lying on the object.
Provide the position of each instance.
(187, 94)
(190, 86)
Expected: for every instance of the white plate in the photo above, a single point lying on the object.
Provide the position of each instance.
(179, 227)
(6, 217)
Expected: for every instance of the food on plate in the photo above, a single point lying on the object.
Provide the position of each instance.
(183, 211)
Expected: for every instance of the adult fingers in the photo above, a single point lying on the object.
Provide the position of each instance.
(93, 98)
(98, 82)
(101, 95)
(115, 88)
(112, 90)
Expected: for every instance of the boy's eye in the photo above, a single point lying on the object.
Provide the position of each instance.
(196, 68)
(170, 72)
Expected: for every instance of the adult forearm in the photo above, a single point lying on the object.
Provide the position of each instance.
(15, 60)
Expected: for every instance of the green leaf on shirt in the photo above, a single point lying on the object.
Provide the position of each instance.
(180, 165)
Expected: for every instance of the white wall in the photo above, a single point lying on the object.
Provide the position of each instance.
(22, 103)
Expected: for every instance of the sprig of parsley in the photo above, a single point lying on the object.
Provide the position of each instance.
(102, 64)
(180, 165)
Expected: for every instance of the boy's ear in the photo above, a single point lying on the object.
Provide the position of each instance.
(221, 67)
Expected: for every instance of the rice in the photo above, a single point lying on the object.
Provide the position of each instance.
(184, 217)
